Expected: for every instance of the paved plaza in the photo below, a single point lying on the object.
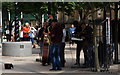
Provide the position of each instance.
(29, 64)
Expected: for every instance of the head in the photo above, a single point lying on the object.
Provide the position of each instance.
(54, 22)
(72, 26)
(45, 24)
(83, 25)
(75, 23)
(50, 16)
(32, 28)
(27, 24)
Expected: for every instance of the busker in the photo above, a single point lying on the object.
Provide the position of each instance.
(56, 40)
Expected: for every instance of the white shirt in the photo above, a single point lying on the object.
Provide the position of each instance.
(7, 32)
(32, 32)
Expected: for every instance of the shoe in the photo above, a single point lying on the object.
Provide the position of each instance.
(52, 69)
(63, 65)
(77, 64)
(49, 63)
(59, 69)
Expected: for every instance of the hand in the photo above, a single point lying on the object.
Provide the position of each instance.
(48, 32)
(39, 38)
(52, 35)
(28, 31)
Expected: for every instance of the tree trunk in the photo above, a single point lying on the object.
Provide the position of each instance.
(97, 66)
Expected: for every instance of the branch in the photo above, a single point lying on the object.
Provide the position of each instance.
(34, 15)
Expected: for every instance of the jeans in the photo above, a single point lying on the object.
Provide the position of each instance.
(55, 56)
(32, 40)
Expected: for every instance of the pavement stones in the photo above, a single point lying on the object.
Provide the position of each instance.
(29, 64)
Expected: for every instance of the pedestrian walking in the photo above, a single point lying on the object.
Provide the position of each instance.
(32, 36)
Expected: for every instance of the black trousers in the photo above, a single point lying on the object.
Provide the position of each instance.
(26, 38)
(62, 54)
(8, 37)
(81, 45)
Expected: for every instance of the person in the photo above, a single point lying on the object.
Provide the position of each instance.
(21, 32)
(90, 52)
(7, 34)
(56, 40)
(72, 30)
(32, 35)
(82, 33)
(62, 53)
(41, 33)
(26, 31)
(49, 20)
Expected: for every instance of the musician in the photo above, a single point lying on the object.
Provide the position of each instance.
(41, 33)
(56, 40)
(82, 32)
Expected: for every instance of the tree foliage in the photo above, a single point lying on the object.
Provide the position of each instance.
(38, 8)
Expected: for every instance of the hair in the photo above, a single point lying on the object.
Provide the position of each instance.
(75, 23)
(26, 23)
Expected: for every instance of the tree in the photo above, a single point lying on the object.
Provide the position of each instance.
(34, 8)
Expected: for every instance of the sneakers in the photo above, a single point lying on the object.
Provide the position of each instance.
(58, 69)
(52, 69)
(77, 64)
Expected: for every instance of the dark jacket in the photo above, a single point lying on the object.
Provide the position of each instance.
(40, 33)
(87, 33)
(58, 34)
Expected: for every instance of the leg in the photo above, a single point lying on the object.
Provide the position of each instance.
(79, 46)
(85, 50)
(58, 62)
(53, 54)
(49, 56)
(62, 55)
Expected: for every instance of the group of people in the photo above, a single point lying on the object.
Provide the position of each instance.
(56, 32)
(84, 32)
(57, 35)
(27, 33)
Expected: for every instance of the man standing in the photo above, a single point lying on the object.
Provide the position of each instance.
(56, 40)
(82, 32)
(62, 52)
(26, 31)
